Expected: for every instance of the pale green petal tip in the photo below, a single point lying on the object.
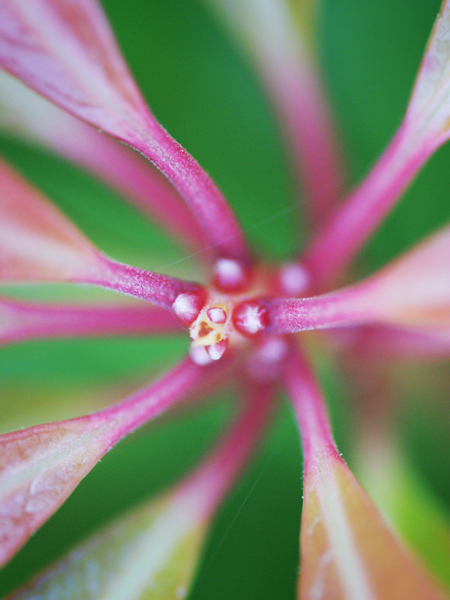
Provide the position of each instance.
(147, 555)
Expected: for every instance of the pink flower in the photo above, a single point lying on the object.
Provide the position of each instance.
(245, 318)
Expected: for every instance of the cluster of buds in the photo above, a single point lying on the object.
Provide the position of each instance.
(232, 311)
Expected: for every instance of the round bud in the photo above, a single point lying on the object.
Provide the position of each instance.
(187, 306)
(230, 275)
(266, 361)
(200, 355)
(250, 317)
(216, 314)
(215, 351)
(293, 279)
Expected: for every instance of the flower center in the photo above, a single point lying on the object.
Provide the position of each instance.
(211, 330)
(220, 322)
(233, 310)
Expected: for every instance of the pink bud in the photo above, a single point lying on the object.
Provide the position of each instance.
(188, 305)
(216, 314)
(230, 275)
(216, 351)
(250, 317)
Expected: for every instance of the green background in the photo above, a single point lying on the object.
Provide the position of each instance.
(204, 92)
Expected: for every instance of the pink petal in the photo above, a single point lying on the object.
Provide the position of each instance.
(347, 550)
(66, 52)
(280, 51)
(403, 343)
(426, 126)
(26, 114)
(146, 285)
(37, 243)
(24, 321)
(351, 224)
(157, 546)
(153, 549)
(401, 490)
(429, 103)
(40, 466)
(219, 471)
(413, 291)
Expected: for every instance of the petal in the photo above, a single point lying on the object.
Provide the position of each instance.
(32, 35)
(413, 291)
(24, 321)
(402, 493)
(403, 343)
(146, 285)
(152, 552)
(347, 550)
(41, 466)
(279, 49)
(426, 126)
(28, 115)
(37, 243)
(429, 103)
(353, 222)
(66, 52)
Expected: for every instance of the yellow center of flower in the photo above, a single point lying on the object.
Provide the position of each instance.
(211, 325)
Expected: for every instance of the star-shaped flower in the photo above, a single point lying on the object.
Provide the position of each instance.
(245, 318)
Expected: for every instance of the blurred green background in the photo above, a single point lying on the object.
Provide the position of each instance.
(205, 93)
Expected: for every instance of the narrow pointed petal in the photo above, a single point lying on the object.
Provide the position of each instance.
(148, 554)
(218, 472)
(41, 466)
(268, 31)
(429, 104)
(347, 550)
(402, 493)
(37, 243)
(146, 285)
(413, 291)
(29, 116)
(25, 321)
(426, 126)
(352, 223)
(402, 343)
(152, 552)
(67, 53)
